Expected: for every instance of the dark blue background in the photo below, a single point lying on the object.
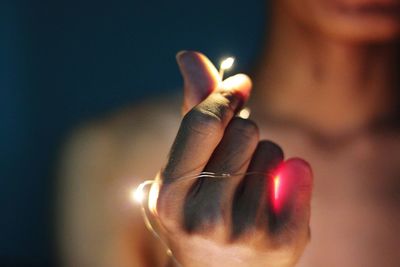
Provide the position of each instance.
(63, 62)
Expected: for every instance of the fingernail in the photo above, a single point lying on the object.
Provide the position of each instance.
(189, 65)
(180, 54)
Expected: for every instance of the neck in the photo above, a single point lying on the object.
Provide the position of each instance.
(332, 86)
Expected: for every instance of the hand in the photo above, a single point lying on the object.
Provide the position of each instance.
(235, 221)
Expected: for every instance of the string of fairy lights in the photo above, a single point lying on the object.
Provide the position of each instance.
(149, 189)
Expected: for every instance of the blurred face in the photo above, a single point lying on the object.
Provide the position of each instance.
(349, 20)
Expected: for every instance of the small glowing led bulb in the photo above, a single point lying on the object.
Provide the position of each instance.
(137, 195)
(244, 113)
(225, 64)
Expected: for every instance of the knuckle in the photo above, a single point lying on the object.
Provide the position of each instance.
(266, 145)
(246, 127)
(271, 152)
(202, 121)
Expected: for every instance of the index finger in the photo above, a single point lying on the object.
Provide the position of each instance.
(202, 128)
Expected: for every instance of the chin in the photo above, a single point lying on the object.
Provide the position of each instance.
(361, 29)
(349, 20)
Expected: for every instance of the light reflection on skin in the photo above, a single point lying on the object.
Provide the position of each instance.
(276, 187)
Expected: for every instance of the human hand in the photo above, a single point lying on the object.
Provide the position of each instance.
(239, 220)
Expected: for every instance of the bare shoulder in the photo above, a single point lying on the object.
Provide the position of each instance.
(133, 136)
(101, 163)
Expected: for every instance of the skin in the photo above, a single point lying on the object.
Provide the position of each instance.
(221, 221)
(325, 90)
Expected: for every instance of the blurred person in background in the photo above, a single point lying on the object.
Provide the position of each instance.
(325, 90)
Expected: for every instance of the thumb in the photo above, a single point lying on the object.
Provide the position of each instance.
(199, 75)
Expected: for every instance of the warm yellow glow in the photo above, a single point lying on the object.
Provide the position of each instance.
(137, 195)
(244, 113)
(153, 196)
(227, 63)
(276, 187)
(233, 82)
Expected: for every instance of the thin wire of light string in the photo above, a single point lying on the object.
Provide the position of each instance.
(146, 217)
(225, 65)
